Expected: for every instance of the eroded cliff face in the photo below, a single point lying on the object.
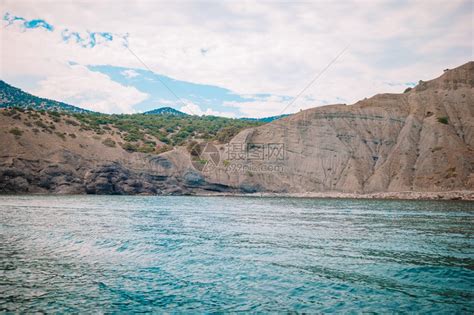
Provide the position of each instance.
(39, 155)
(421, 140)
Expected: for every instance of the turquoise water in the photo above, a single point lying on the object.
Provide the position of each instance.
(195, 254)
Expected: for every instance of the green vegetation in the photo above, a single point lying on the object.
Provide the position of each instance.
(16, 132)
(137, 132)
(155, 132)
(71, 122)
(41, 124)
(109, 142)
(194, 148)
(202, 161)
(225, 134)
(61, 135)
(55, 116)
(10, 112)
(163, 149)
(443, 120)
(14, 97)
(146, 148)
(170, 129)
(127, 146)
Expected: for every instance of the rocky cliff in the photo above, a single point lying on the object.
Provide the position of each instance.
(421, 140)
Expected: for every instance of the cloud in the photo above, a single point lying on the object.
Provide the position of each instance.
(27, 24)
(193, 109)
(90, 90)
(88, 40)
(130, 73)
(248, 47)
(266, 106)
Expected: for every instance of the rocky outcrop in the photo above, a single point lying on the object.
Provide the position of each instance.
(104, 179)
(421, 140)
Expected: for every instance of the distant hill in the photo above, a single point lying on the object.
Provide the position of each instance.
(165, 111)
(13, 97)
(266, 119)
(174, 112)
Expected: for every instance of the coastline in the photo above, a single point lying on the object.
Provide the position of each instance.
(463, 195)
(457, 195)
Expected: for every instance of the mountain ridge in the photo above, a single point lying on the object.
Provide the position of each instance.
(165, 111)
(11, 96)
(267, 119)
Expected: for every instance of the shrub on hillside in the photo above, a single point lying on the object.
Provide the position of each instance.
(130, 147)
(60, 135)
(41, 124)
(146, 149)
(16, 132)
(226, 134)
(194, 148)
(109, 142)
(71, 122)
(443, 120)
(163, 149)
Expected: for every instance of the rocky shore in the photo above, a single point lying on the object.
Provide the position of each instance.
(406, 195)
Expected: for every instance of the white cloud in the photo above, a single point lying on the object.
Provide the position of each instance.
(90, 90)
(193, 109)
(130, 73)
(252, 47)
(273, 105)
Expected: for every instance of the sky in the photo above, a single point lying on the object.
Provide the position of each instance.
(228, 58)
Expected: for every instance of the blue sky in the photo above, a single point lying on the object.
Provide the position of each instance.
(236, 59)
(159, 96)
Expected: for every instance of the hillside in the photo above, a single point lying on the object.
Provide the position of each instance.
(156, 127)
(267, 119)
(418, 141)
(174, 112)
(13, 97)
(165, 111)
(421, 140)
(38, 141)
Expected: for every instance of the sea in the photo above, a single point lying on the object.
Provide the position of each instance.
(190, 254)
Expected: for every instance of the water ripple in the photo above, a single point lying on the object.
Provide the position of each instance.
(197, 254)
